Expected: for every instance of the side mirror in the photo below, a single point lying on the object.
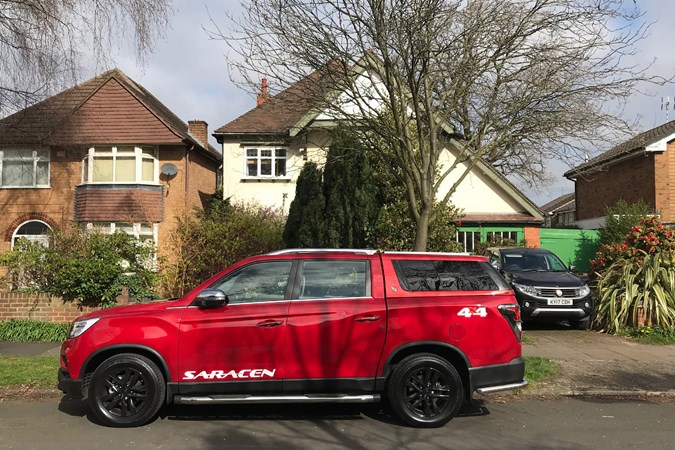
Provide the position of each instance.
(210, 299)
(573, 268)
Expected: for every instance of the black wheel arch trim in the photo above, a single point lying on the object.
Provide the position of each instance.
(386, 369)
(119, 348)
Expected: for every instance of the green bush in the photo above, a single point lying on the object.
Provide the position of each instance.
(23, 330)
(620, 218)
(206, 242)
(82, 265)
(395, 229)
(640, 285)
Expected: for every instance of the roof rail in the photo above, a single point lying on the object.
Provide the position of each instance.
(359, 251)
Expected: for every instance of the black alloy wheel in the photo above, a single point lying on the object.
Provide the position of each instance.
(425, 390)
(426, 393)
(126, 390)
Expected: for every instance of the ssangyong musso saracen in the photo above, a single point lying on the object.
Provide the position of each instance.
(426, 330)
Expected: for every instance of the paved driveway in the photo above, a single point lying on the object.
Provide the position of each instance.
(592, 361)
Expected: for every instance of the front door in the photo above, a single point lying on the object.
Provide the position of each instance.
(238, 348)
(336, 329)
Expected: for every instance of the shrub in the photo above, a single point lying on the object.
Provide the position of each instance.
(22, 330)
(82, 265)
(206, 242)
(648, 236)
(643, 284)
(620, 218)
(395, 229)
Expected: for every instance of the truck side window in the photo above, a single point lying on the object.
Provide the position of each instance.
(447, 276)
(334, 279)
(260, 282)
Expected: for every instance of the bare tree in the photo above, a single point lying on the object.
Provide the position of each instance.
(43, 41)
(517, 82)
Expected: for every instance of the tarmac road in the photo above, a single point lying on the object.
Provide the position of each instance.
(563, 423)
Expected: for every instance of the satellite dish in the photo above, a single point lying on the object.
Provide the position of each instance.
(169, 169)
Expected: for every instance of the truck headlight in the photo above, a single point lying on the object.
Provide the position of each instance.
(525, 289)
(584, 290)
(80, 326)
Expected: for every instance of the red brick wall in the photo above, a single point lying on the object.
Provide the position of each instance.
(664, 167)
(532, 237)
(39, 307)
(202, 179)
(54, 203)
(632, 180)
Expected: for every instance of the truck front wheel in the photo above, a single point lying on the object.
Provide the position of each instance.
(425, 390)
(126, 390)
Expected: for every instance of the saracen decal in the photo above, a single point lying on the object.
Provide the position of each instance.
(232, 374)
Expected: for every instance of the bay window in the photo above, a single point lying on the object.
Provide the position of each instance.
(120, 164)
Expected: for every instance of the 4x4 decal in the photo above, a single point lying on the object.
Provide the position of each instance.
(471, 311)
(223, 375)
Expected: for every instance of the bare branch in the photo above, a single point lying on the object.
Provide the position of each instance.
(520, 81)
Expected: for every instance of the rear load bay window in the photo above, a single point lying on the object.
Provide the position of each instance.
(120, 164)
(448, 276)
(24, 168)
(266, 162)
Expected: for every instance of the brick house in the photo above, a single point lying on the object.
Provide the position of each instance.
(559, 212)
(265, 149)
(642, 168)
(105, 153)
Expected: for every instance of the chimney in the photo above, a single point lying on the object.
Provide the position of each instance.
(199, 130)
(264, 93)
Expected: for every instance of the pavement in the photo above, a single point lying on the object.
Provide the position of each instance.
(589, 363)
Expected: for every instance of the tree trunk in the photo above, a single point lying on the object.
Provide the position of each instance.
(422, 230)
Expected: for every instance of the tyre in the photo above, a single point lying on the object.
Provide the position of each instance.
(425, 391)
(126, 390)
(580, 324)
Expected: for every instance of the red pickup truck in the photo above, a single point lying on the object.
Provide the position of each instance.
(424, 330)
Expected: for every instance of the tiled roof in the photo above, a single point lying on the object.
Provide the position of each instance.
(635, 143)
(37, 122)
(280, 113)
(500, 218)
(563, 203)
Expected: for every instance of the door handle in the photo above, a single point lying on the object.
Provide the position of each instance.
(367, 319)
(270, 323)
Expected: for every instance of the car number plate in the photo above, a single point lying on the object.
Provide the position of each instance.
(560, 301)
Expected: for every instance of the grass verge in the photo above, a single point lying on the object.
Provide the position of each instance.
(650, 335)
(35, 371)
(40, 371)
(538, 368)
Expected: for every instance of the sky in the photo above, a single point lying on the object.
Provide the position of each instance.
(188, 73)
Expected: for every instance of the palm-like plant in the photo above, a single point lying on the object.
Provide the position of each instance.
(644, 283)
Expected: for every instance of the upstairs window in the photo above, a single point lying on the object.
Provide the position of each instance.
(266, 162)
(120, 164)
(23, 168)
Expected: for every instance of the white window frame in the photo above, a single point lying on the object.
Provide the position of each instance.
(258, 158)
(36, 158)
(31, 237)
(136, 228)
(138, 155)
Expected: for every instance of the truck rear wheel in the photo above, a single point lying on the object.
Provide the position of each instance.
(425, 390)
(126, 390)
